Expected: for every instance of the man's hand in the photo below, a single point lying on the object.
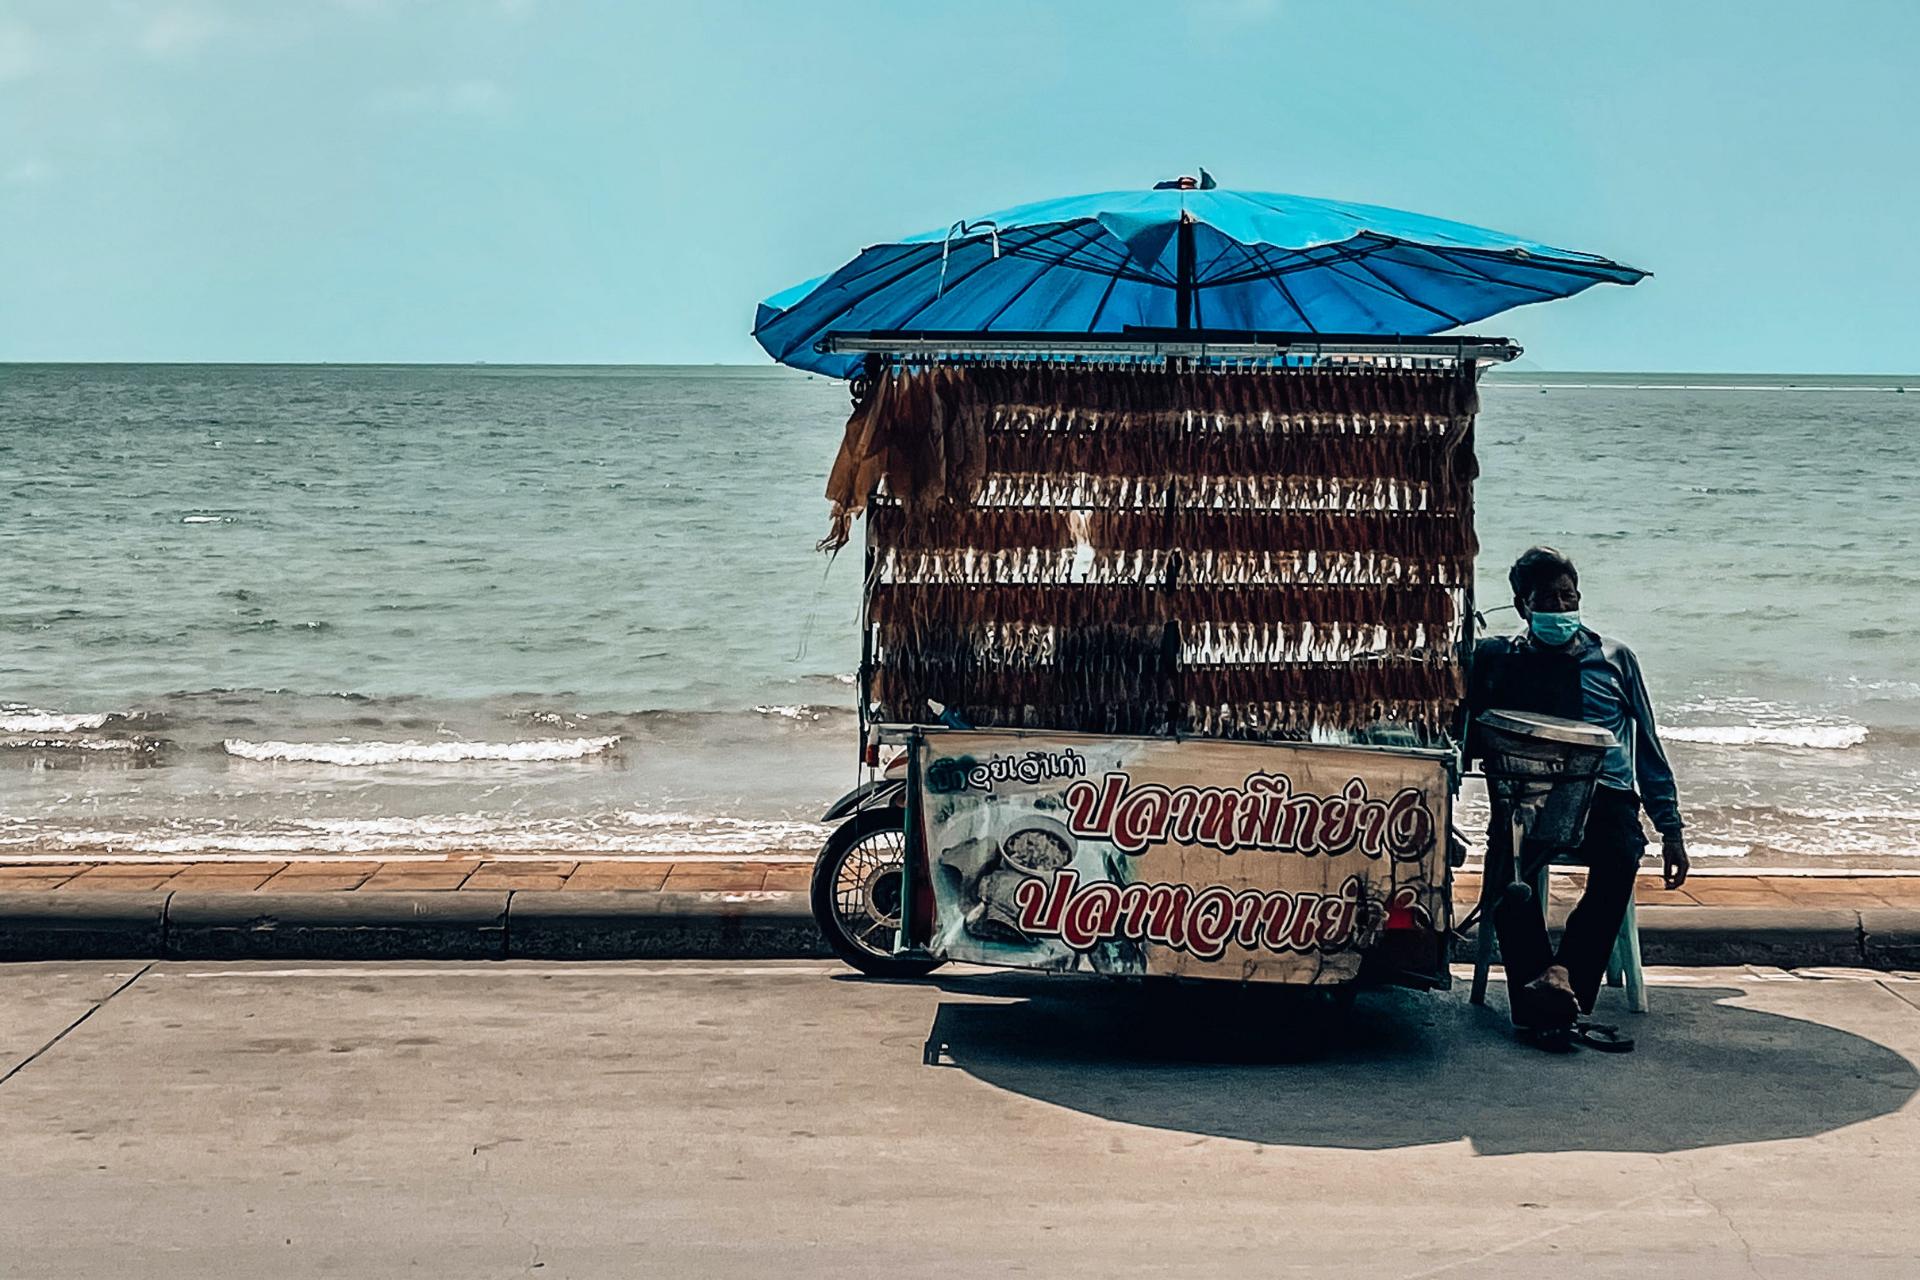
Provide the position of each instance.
(1673, 854)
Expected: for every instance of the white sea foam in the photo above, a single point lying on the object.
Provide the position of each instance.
(1819, 737)
(1708, 849)
(1865, 813)
(377, 753)
(564, 838)
(33, 720)
(81, 744)
(790, 713)
(206, 519)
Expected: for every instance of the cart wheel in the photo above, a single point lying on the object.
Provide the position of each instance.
(856, 894)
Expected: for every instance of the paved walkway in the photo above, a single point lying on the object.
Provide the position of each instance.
(332, 874)
(738, 1121)
(1715, 888)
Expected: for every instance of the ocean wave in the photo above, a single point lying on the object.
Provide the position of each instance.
(1816, 737)
(378, 753)
(804, 713)
(688, 835)
(34, 720)
(1864, 813)
(81, 744)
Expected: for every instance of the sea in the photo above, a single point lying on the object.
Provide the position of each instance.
(577, 611)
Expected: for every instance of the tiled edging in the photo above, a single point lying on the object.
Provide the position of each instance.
(318, 875)
(1721, 888)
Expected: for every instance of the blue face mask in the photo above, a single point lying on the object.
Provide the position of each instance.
(1554, 629)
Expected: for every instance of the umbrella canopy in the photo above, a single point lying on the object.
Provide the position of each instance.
(1174, 258)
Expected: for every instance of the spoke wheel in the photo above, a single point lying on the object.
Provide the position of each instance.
(857, 894)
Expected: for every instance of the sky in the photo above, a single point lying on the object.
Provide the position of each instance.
(615, 182)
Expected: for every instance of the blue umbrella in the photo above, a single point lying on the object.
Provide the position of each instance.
(1177, 258)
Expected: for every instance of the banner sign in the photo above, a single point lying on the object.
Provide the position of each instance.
(1249, 861)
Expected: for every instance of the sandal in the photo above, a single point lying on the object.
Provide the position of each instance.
(1599, 1036)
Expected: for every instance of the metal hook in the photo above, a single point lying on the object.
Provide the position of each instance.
(963, 229)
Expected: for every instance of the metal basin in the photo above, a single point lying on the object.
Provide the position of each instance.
(1542, 769)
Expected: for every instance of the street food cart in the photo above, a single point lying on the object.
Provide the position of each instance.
(1168, 559)
(1169, 630)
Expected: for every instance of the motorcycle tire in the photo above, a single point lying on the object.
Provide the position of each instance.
(856, 894)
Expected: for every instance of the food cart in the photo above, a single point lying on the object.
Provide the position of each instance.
(1166, 632)
(1168, 578)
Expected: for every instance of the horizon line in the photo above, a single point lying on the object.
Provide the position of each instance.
(773, 367)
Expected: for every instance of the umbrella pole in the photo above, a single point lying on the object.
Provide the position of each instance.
(1183, 274)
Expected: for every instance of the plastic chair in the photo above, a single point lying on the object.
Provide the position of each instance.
(1623, 965)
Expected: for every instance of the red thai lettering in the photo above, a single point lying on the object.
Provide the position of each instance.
(1202, 922)
(1264, 813)
(1091, 916)
(1210, 923)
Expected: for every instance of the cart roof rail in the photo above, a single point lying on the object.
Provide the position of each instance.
(1189, 344)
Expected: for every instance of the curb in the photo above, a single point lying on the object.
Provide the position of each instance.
(765, 925)
(619, 924)
(90, 926)
(1890, 937)
(367, 926)
(1798, 937)
(460, 924)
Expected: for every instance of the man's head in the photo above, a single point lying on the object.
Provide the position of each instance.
(1544, 581)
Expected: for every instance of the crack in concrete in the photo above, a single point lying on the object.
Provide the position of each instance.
(533, 1262)
(1631, 1202)
(100, 1004)
(1746, 1246)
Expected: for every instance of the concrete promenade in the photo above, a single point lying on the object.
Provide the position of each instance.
(446, 906)
(125, 873)
(700, 1119)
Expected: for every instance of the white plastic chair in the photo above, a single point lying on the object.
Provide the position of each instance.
(1623, 965)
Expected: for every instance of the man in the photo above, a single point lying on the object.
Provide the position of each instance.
(1559, 667)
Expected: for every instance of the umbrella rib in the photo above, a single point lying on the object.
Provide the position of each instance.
(815, 331)
(919, 256)
(1018, 294)
(1573, 263)
(1059, 230)
(891, 261)
(1093, 323)
(1377, 244)
(1199, 272)
(1119, 267)
(1305, 261)
(1599, 269)
(811, 333)
(1471, 271)
(1280, 284)
(1394, 289)
(1460, 271)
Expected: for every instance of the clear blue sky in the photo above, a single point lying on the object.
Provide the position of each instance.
(540, 180)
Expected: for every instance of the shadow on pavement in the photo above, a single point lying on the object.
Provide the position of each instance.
(1406, 1069)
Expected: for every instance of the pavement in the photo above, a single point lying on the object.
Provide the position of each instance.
(432, 872)
(778, 1119)
(409, 873)
(442, 905)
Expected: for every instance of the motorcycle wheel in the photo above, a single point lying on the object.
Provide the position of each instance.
(856, 894)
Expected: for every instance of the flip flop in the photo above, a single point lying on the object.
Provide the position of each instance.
(1606, 1039)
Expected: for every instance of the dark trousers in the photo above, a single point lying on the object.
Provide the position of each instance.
(1611, 853)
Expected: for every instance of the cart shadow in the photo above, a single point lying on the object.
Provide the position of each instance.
(1405, 1069)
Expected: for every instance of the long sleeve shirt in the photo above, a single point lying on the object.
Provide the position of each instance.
(1592, 679)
